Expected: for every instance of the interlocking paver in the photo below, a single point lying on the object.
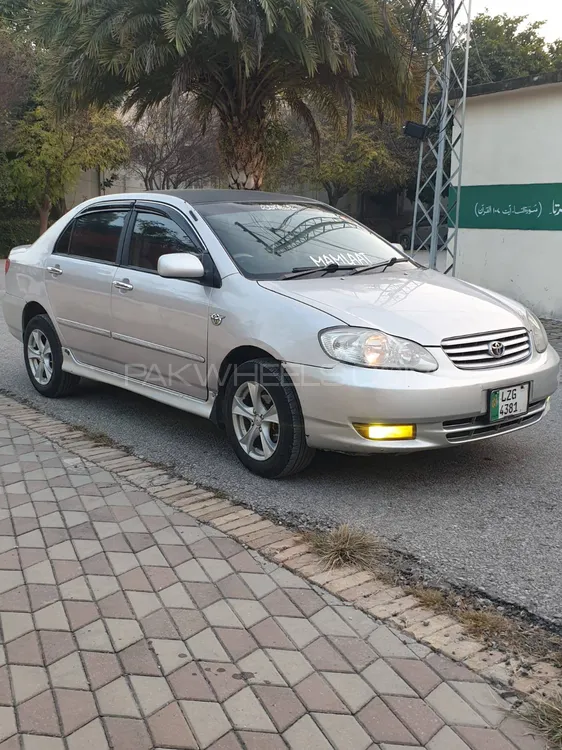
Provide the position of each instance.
(116, 699)
(306, 734)
(246, 712)
(127, 734)
(152, 692)
(385, 680)
(38, 715)
(76, 707)
(345, 732)
(169, 728)
(27, 682)
(189, 683)
(292, 665)
(383, 725)
(485, 701)
(144, 629)
(317, 695)
(207, 720)
(446, 739)
(351, 688)
(452, 708)
(417, 716)
(69, 673)
(484, 739)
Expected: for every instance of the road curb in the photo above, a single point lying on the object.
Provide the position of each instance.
(391, 604)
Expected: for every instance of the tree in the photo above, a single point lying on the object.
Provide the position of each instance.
(15, 81)
(237, 59)
(377, 159)
(343, 164)
(49, 155)
(169, 149)
(504, 47)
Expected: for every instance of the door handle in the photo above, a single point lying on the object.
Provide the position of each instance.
(123, 286)
(54, 270)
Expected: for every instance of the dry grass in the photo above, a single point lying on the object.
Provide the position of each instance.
(428, 598)
(546, 716)
(485, 624)
(345, 546)
(100, 438)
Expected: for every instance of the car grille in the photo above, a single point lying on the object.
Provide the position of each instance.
(477, 428)
(473, 352)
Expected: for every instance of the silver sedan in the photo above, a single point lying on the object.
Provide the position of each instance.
(283, 320)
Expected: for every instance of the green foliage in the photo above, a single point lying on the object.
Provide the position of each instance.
(238, 58)
(17, 231)
(50, 154)
(377, 158)
(345, 163)
(504, 47)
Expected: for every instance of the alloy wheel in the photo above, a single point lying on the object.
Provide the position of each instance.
(40, 357)
(255, 420)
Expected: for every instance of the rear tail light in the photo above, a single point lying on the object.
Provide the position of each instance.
(7, 265)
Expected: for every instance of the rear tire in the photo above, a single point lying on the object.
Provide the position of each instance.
(43, 357)
(263, 420)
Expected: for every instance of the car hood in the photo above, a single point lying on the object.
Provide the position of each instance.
(418, 304)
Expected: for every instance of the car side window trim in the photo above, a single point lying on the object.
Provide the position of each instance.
(103, 208)
(168, 212)
(211, 277)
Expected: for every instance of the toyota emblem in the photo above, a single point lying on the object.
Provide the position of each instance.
(496, 349)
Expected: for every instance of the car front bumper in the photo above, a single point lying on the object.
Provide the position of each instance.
(448, 407)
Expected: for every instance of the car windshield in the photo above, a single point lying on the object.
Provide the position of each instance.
(271, 240)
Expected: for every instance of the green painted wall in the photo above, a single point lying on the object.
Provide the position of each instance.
(528, 207)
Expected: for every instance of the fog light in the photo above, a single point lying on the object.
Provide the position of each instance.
(386, 431)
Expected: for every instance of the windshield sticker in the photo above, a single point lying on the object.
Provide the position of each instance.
(343, 259)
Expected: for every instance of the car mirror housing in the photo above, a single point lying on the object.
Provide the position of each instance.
(180, 266)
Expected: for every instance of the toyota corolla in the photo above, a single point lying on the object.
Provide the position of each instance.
(280, 318)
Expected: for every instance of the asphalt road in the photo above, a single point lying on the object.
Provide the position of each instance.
(488, 515)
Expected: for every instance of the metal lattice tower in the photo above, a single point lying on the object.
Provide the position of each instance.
(436, 211)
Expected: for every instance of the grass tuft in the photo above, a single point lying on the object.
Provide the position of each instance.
(546, 716)
(345, 546)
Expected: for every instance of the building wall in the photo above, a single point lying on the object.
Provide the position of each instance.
(511, 241)
(89, 186)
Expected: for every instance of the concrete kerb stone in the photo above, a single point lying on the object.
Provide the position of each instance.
(285, 547)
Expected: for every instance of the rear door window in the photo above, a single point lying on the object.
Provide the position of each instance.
(94, 236)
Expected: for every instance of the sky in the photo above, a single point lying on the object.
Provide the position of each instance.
(537, 10)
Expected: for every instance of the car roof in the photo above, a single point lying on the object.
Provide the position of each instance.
(196, 197)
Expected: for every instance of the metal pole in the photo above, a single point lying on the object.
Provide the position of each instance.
(444, 124)
(461, 147)
(435, 217)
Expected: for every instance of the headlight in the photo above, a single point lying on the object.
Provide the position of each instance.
(368, 348)
(537, 332)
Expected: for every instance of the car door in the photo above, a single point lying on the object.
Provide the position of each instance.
(78, 279)
(159, 325)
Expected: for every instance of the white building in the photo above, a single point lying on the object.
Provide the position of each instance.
(511, 198)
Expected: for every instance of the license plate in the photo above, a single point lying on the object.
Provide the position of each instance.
(509, 402)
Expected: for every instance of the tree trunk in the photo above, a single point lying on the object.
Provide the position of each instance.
(335, 193)
(244, 154)
(44, 213)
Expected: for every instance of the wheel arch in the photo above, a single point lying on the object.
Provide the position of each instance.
(30, 310)
(236, 356)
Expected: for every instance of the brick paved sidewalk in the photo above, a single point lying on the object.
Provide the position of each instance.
(127, 624)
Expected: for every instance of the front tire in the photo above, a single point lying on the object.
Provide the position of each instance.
(42, 352)
(263, 420)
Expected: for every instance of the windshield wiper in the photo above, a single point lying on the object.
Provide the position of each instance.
(384, 265)
(330, 268)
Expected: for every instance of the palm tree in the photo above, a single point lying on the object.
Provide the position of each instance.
(243, 60)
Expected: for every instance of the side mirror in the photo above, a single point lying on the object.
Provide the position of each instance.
(180, 266)
(398, 246)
